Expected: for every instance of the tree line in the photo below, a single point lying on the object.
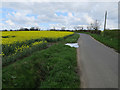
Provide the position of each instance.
(92, 26)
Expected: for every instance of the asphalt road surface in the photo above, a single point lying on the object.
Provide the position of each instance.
(98, 64)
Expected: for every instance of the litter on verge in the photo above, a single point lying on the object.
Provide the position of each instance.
(72, 45)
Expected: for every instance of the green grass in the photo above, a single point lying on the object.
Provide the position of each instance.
(72, 39)
(6, 60)
(54, 67)
(11, 56)
(9, 49)
(112, 33)
(109, 41)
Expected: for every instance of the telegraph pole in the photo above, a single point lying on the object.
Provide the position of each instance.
(105, 21)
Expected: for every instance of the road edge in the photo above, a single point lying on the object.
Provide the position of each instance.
(79, 66)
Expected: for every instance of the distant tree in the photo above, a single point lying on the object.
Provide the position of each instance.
(95, 25)
(90, 27)
(78, 28)
(37, 29)
(32, 29)
(53, 29)
(25, 29)
(21, 29)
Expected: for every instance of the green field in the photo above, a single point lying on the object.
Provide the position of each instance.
(54, 67)
(19, 44)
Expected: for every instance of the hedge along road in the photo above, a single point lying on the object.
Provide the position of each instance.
(98, 64)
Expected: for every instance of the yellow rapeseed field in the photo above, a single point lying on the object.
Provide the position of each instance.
(10, 37)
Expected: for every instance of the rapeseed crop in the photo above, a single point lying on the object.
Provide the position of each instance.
(11, 37)
(17, 44)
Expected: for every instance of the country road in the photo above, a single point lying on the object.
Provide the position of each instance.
(98, 64)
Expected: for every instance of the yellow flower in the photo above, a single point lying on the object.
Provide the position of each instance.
(28, 35)
(2, 54)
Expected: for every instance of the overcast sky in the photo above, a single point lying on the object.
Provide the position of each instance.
(57, 14)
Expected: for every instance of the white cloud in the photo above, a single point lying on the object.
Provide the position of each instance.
(88, 19)
(70, 14)
(78, 13)
(60, 1)
(9, 22)
(21, 18)
(111, 24)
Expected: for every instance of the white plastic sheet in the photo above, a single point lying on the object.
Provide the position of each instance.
(72, 45)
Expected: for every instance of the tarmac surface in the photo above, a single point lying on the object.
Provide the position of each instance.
(98, 64)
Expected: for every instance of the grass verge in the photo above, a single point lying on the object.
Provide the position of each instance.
(109, 41)
(54, 67)
(72, 39)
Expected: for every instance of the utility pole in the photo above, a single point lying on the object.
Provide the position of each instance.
(105, 20)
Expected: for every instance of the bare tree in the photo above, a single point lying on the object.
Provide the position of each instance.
(90, 27)
(78, 28)
(96, 25)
